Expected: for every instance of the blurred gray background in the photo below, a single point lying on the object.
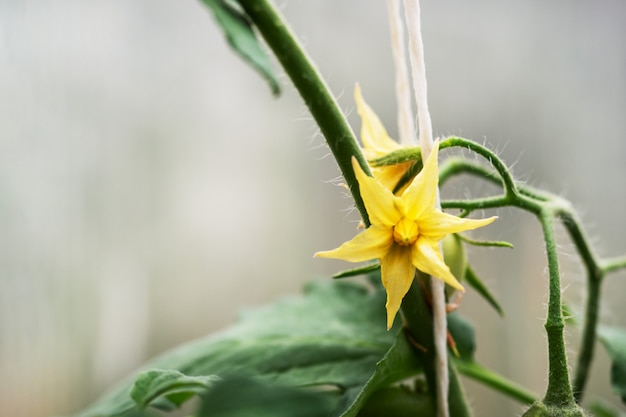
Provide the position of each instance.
(151, 186)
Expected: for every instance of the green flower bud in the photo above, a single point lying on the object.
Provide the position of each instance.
(455, 256)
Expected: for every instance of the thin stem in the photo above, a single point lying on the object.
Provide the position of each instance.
(498, 164)
(587, 347)
(575, 232)
(313, 89)
(413, 154)
(594, 282)
(495, 381)
(456, 166)
(614, 264)
(477, 204)
(559, 392)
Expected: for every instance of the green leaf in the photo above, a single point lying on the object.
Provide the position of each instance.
(399, 363)
(172, 386)
(568, 314)
(241, 37)
(246, 397)
(614, 340)
(476, 283)
(335, 335)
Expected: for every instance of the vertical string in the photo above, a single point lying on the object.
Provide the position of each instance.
(406, 124)
(418, 70)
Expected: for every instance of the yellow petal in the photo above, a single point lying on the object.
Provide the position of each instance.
(421, 195)
(397, 274)
(376, 141)
(379, 201)
(372, 243)
(435, 225)
(426, 256)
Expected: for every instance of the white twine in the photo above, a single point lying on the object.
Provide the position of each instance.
(418, 71)
(406, 124)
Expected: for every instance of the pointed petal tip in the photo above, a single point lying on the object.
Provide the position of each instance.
(321, 254)
(390, 320)
(357, 91)
(489, 220)
(452, 281)
(392, 312)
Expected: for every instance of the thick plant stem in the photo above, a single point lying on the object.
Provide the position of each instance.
(419, 325)
(313, 90)
(559, 392)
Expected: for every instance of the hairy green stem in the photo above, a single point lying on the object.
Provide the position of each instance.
(413, 154)
(613, 264)
(313, 89)
(559, 392)
(507, 179)
(456, 166)
(544, 204)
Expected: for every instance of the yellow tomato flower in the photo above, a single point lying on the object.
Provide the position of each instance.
(377, 143)
(405, 232)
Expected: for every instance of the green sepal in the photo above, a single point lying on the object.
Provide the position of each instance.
(241, 37)
(408, 176)
(476, 283)
(361, 270)
(568, 314)
(487, 243)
